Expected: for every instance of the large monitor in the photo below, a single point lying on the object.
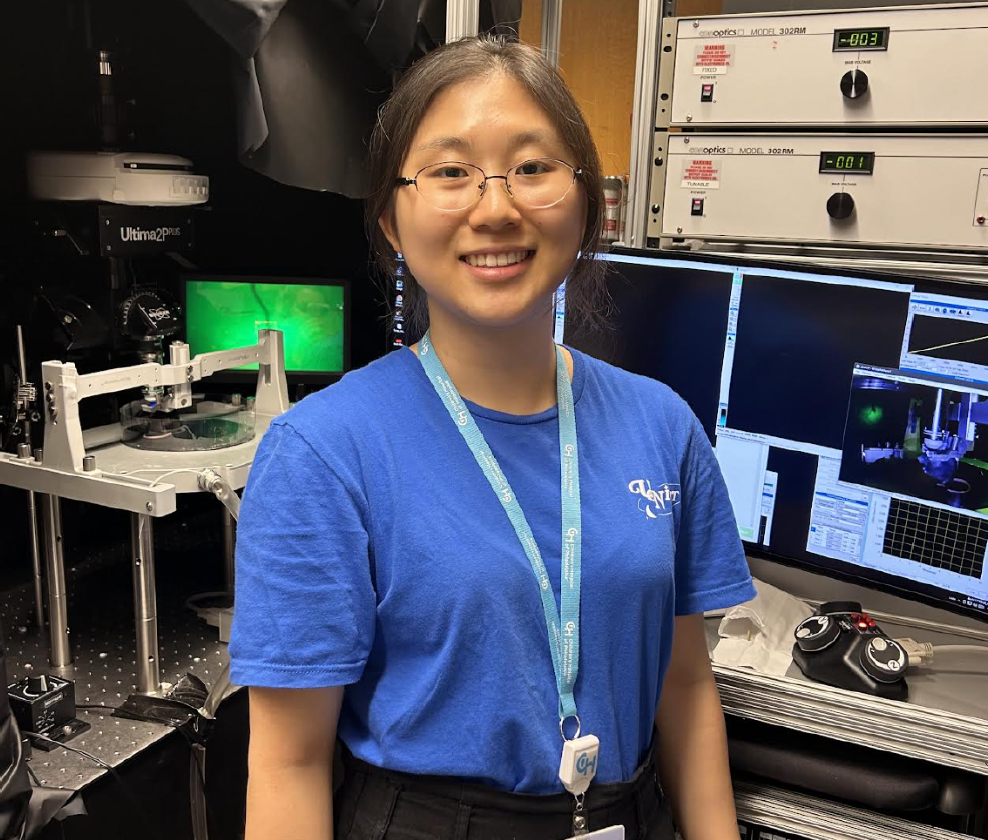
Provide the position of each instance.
(222, 312)
(849, 412)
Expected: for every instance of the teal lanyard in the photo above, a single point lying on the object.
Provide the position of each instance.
(563, 625)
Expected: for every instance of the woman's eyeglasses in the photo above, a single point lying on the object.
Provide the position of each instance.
(454, 185)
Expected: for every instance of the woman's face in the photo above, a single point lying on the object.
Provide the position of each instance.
(492, 123)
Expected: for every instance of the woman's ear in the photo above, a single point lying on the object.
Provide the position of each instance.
(389, 228)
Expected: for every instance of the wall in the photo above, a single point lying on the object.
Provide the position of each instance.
(598, 42)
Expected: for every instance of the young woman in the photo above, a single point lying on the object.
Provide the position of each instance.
(477, 548)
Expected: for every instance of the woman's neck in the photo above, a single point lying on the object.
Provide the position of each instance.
(509, 369)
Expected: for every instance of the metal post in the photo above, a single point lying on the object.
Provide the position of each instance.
(39, 596)
(32, 506)
(229, 550)
(552, 23)
(462, 19)
(650, 14)
(145, 604)
(60, 651)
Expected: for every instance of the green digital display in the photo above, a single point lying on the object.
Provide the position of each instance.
(221, 315)
(854, 163)
(861, 39)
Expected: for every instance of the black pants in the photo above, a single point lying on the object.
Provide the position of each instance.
(375, 804)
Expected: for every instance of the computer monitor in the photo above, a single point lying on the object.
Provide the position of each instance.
(222, 312)
(848, 412)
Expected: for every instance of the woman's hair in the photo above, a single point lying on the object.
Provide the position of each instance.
(399, 118)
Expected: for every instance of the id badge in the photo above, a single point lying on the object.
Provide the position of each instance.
(615, 832)
(578, 763)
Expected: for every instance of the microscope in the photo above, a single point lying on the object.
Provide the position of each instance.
(158, 433)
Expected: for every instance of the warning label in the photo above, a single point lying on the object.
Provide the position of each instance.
(713, 59)
(701, 173)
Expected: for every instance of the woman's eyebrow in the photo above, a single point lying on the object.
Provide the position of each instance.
(533, 137)
(449, 143)
(445, 144)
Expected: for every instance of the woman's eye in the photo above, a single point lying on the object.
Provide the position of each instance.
(533, 167)
(450, 172)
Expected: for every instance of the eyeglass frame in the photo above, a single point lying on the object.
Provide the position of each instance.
(401, 181)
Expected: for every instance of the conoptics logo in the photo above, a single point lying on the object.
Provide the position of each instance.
(137, 234)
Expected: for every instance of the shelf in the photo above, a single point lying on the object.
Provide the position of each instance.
(821, 819)
(944, 721)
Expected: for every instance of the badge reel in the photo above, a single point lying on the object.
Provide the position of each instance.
(577, 767)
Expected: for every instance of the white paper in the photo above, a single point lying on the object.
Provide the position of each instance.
(759, 633)
(615, 832)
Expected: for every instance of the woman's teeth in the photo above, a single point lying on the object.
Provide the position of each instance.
(494, 260)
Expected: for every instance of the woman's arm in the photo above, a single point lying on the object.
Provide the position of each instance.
(692, 740)
(290, 763)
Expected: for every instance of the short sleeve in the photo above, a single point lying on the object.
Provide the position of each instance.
(305, 606)
(711, 569)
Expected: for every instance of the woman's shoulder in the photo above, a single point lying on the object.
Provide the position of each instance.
(357, 408)
(613, 386)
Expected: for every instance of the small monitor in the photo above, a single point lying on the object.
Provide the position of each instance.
(223, 312)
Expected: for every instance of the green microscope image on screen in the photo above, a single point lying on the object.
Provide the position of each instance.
(221, 315)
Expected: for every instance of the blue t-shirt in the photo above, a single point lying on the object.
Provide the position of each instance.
(373, 553)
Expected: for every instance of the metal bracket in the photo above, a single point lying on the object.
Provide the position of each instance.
(65, 388)
(122, 492)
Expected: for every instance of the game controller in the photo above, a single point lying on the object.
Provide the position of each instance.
(841, 645)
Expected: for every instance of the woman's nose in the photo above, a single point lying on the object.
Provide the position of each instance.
(496, 207)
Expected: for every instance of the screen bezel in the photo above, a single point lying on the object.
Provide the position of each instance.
(295, 377)
(838, 569)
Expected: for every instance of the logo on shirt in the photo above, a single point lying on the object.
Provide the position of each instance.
(658, 501)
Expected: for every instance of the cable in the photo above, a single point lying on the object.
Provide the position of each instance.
(33, 775)
(922, 653)
(153, 720)
(982, 649)
(163, 475)
(83, 753)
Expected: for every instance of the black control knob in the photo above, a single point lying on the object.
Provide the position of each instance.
(854, 84)
(816, 633)
(840, 206)
(883, 659)
(36, 686)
